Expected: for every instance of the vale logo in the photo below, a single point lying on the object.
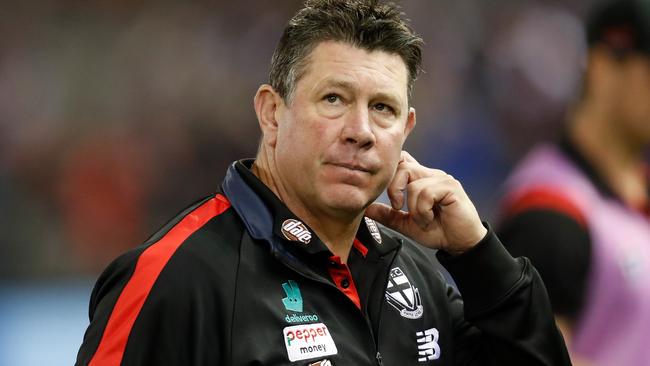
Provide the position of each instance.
(293, 301)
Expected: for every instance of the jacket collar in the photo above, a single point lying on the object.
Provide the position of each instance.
(267, 218)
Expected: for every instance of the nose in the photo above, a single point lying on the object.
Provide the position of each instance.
(358, 129)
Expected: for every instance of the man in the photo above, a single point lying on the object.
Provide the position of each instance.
(580, 209)
(282, 267)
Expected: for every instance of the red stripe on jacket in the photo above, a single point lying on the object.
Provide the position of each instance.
(150, 263)
(545, 198)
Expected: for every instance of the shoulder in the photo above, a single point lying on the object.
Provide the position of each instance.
(547, 201)
(545, 223)
(548, 180)
(203, 239)
(182, 275)
(552, 199)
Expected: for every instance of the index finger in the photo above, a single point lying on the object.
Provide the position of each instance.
(396, 187)
(406, 157)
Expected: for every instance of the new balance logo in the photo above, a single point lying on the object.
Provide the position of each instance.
(295, 230)
(428, 348)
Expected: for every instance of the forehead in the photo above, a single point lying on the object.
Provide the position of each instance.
(337, 62)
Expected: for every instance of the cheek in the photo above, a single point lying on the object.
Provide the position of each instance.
(289, 146)
(301, 140)
(391, 142)
(390, 146)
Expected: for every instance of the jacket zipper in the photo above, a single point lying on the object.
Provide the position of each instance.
(375, 339)
(378, 357)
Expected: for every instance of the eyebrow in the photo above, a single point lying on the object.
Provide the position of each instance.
(348, 86)
(338, 83)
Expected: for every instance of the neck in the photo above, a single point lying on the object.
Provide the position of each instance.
(616, 157)
(337, 231)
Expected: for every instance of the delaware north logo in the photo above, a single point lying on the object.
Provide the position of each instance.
(295, 230)
(403, 296)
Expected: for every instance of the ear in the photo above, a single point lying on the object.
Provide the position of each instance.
(267, 102)
(410, 123)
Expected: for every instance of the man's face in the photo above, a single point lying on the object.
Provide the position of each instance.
(339, 140)
(634, 99)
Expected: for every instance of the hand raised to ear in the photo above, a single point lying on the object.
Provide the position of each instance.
(440, 214)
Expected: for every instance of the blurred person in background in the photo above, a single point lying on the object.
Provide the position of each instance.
(580, 208)
(285, 263)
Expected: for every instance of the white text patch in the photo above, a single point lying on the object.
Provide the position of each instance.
(308, 341)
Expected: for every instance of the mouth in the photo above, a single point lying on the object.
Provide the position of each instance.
(353, 166)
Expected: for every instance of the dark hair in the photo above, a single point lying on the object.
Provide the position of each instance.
(366, 24)
(620, 25)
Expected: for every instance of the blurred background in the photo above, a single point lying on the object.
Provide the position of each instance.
(114, 115)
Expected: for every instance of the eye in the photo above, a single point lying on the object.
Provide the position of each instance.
(332, 98)
(381, 107)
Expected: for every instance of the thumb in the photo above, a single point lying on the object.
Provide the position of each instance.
(387, 216)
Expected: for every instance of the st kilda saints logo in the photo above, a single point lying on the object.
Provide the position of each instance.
(402, 295)
(295, 230)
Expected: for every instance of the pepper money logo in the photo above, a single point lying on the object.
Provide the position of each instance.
(295, 230)
(308, 341)
(293, 301)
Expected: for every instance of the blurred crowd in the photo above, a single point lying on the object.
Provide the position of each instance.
(114, 115)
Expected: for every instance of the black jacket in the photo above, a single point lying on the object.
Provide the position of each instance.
(237, 279)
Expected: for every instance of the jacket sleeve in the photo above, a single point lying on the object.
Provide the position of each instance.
(504, 316)
(102, 301)
(164, 324)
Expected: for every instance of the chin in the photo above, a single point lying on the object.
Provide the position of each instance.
(347, 199)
